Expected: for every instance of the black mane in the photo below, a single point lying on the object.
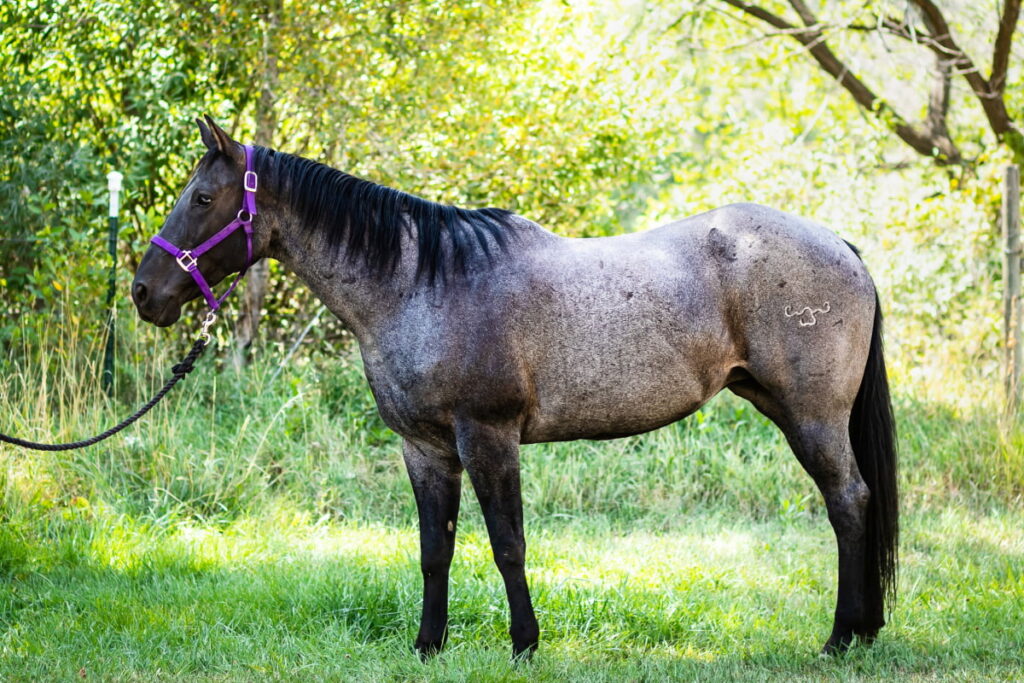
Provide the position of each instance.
(368, 219)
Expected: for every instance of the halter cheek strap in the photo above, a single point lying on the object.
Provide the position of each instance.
(188, 259)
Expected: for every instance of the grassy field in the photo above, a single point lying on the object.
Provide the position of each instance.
(261, 526)
(287, 596)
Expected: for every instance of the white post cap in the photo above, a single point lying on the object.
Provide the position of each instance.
(114, 185)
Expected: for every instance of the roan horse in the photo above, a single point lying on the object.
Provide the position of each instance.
(481, 331)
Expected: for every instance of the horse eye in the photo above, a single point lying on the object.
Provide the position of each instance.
(203, 199)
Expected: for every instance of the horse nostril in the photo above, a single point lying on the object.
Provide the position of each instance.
(139, 293)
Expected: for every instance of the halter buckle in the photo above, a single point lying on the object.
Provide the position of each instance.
(250, 175)
(187, 261)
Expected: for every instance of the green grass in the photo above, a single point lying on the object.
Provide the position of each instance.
(262, 527)
(286, 596)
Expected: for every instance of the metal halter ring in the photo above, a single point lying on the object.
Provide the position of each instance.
(248, 216)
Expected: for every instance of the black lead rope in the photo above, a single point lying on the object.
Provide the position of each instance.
(179, 370)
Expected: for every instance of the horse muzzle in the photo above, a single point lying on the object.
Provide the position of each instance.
(161, 310)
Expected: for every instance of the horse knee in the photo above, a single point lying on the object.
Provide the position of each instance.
(436, 555)
(435, 566)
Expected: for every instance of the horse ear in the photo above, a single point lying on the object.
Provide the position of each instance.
(206, 134)
(222, 142)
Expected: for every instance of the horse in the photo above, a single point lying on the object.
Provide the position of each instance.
(481, 331)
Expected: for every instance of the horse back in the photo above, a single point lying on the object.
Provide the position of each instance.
(606, 337)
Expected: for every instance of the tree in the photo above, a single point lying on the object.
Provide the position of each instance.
(921, 23)
(86, 87)
(519, 105)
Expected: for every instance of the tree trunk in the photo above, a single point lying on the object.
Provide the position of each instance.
(255, 289)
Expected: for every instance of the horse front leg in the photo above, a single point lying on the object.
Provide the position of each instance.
(491, 457)
(436, 482)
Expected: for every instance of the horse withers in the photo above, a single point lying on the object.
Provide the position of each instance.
(481, 331)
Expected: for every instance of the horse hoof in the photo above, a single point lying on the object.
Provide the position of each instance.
(427, 650)
(523, 653)
(837, 645)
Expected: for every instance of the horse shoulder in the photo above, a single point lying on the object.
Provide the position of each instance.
(440, 357)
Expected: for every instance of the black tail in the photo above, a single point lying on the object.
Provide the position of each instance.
(873, 435)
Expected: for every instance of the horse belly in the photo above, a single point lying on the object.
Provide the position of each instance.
(624, 375)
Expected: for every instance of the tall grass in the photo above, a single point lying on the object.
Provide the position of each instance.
(227, 442)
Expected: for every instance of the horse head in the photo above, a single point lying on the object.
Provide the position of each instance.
(195, 249)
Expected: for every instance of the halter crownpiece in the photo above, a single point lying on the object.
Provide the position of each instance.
(188, 259)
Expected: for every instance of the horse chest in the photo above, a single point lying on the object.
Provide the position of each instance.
(421, 386)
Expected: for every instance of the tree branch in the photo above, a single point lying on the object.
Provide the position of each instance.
(943, 37)
(902, 29)
(763, 15)
(804, 12)
(991, 98)
(928, 139)
(1001, 49)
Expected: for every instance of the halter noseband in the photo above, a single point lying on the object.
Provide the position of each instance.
(188, 259)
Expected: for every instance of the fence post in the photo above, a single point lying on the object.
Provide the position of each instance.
(1013, 345)
(114, 185)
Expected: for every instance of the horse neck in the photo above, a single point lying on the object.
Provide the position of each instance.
(347, 287)
(362, 299)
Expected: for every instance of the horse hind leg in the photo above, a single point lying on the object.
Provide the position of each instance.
(823, 447)
(825, 451)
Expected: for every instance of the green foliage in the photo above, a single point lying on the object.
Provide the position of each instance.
(429, 96)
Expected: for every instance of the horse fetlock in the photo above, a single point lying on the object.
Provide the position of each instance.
(871, 623)
(864, 622)
(843, 638)
(867, 635)
(427, 648)
(431, 639)
(525, 638)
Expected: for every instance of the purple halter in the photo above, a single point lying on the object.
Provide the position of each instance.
(188, 259)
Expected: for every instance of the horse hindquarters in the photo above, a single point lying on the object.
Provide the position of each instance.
(847, 444)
